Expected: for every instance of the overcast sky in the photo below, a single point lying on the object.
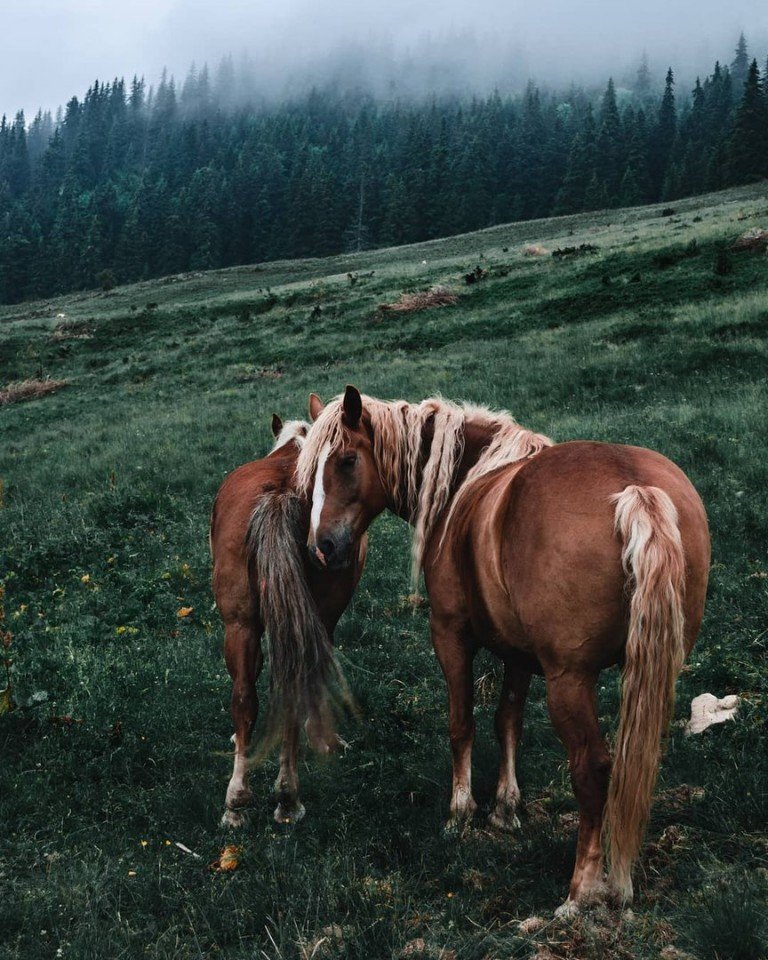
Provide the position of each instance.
(53, 49)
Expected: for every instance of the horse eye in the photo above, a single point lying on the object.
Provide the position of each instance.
(348, 461)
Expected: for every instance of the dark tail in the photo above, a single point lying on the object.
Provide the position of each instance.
(305, 680)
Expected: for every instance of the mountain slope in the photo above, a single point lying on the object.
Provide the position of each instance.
(657, 337)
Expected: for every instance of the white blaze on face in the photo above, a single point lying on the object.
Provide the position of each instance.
(318, 492)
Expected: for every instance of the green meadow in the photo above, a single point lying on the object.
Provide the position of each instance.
(117, 744)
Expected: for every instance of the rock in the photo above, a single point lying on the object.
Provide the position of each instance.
(707, 710)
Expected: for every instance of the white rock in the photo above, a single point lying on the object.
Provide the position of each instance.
(707, 710)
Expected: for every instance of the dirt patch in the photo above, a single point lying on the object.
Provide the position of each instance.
(72, 330)
(259, 373)
(752, 240)
(438, 296)
(29, 390)
(584, 249)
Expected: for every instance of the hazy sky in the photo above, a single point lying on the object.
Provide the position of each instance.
(53, 49)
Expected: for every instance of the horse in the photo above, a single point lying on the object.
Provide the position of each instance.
(562, 559)
(263, 582)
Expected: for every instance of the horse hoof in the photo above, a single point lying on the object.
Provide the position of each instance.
(235, 819)
(505, 819)
(459, 824)
(289, 816)
(567, 910)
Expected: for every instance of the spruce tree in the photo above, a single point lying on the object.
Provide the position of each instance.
(610, 160)
(579, 170)
(748, 147)
(643, 84)
(663, 135)
(740, 67)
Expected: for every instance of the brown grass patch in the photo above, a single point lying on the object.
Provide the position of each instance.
(259, 373)
(438, 296)
(752, 240)
(72, 330)
(29, 390)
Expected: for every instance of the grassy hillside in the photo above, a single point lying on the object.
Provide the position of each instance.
(118, 744)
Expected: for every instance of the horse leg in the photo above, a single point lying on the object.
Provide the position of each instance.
(455, 658)
(573, 709)
(289, 808)
(509, 728)
(242, 652)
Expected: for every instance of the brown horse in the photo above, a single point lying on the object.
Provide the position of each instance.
(561, 559)
(262, 581)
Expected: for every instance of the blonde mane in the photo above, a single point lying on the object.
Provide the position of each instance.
(420, 487)
(295, 430)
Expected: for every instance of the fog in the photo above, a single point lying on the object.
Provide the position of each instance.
(54, 49)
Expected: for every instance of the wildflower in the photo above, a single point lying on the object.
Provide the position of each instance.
(229, 859)
(86, 578)
(184, 611)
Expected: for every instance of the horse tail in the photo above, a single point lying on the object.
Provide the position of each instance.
(653, 560)
(304, 675)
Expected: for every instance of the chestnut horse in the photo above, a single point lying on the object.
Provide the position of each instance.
(561, 559)
(262, 581)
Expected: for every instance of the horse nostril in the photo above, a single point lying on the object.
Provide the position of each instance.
(327, 547)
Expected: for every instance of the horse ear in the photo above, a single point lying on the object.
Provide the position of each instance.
(353, 406)
(277, 425)
(316, 406)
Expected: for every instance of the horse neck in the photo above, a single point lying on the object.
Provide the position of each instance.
(475, 437)
(423, 499)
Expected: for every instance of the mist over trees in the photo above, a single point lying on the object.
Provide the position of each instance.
(132, 183)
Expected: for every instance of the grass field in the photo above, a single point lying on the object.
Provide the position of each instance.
(118, 744)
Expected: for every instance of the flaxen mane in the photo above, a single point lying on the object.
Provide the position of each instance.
(421, 487)
(292, 430)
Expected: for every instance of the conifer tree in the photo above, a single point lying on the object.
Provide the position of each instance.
(748, 147)
(610, 160)
(643, 83)
(664, 135)
(740, 67)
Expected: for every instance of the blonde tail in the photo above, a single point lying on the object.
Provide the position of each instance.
(652, 556)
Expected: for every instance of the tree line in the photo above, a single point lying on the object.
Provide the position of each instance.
(130, 183)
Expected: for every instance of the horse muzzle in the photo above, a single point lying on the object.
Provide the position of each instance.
(333, 550)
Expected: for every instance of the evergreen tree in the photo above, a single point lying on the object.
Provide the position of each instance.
(611, 159)
(740, 67)
(663, 135)
(748, 147)
(643, 87)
